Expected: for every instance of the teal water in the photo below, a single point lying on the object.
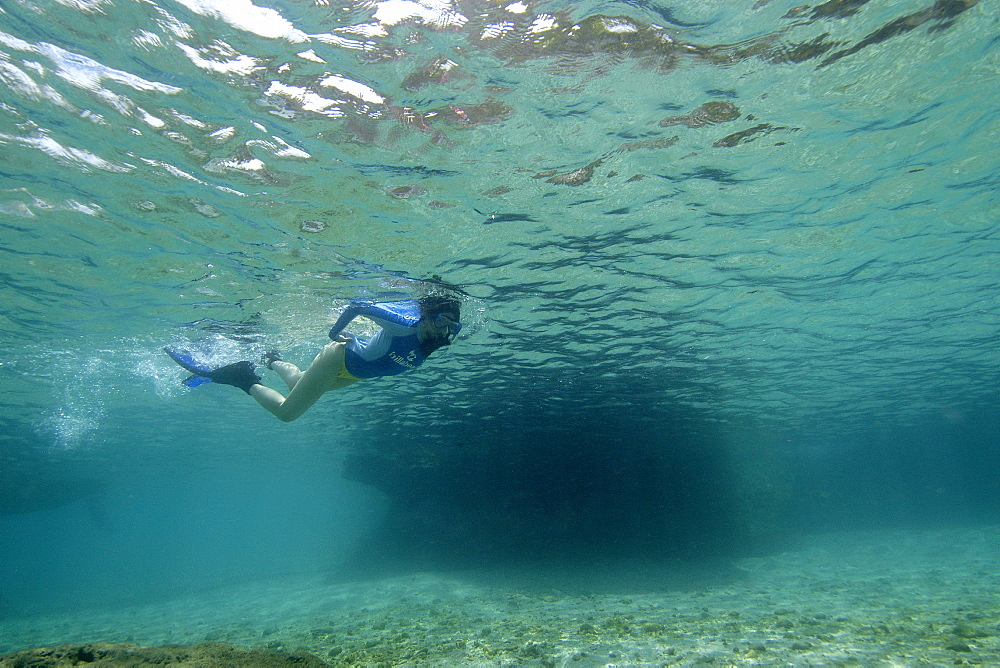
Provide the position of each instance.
(731, 275)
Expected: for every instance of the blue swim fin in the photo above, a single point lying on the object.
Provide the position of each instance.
(188, 362)
(195, 381)
(237, 374)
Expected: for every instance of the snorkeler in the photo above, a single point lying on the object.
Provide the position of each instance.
(410, 331)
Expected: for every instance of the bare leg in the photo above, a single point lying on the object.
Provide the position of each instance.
(288, 372)
(305, 387)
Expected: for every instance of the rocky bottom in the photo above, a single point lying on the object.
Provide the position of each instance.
(900, 598)
(205, 655)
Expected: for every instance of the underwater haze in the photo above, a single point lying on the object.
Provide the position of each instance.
(730, 276)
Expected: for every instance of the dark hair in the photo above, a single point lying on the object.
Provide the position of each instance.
(431, 307)
(438, 304)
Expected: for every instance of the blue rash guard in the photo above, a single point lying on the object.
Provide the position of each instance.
(394, 349)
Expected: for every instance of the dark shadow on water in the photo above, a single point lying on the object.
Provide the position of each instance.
(574, 510)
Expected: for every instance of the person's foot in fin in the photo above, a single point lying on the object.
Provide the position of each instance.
(238, 374)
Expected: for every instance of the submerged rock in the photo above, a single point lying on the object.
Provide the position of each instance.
(438, 70)
(486, 113)
(968, 631)
(558, 36)
(659, 142)
(206, 655)
(709, 113)
(748, 135)
(575, 178)
(406, 192)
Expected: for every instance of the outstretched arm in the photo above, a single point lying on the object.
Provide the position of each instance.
(349, 314)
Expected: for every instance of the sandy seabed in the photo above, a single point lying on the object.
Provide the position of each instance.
(850, 599)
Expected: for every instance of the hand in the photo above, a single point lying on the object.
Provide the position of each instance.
(343, 338)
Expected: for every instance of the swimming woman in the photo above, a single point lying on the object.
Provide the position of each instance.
(410, 330)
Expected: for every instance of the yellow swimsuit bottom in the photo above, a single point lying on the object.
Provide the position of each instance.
(345, 374)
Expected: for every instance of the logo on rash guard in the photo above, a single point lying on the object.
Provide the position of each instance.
(404, 361)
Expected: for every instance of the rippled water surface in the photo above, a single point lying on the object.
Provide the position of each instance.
(745, 212)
